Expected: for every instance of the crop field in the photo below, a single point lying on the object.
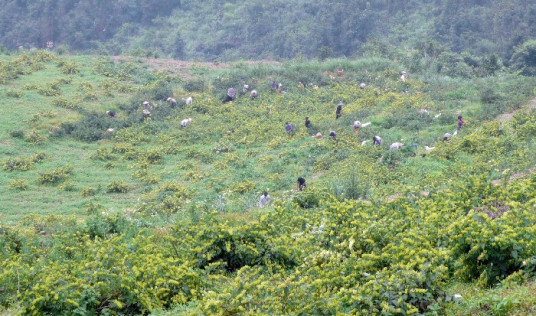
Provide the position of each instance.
(137, 214)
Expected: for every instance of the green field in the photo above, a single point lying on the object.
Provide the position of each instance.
(155, 217)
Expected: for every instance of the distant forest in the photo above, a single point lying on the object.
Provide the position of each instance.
(256, 29)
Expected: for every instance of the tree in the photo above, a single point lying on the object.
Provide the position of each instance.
(524, 58)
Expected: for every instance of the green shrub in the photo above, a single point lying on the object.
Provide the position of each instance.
(103, 154)
(88, 191)
(17, 133)
(67, 186)
(70, 68)
(307, 199)
(194, 85)
(62, 102)
(23, 163)
(33, 137)
(11, 93)
(18, 184)
(55, 176)
(117, 187)
(243, 186)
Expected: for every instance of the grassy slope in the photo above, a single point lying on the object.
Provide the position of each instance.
(244, 142)
(231, 144)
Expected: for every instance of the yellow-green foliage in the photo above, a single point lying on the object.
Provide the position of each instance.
(242, 186)
(55, 176)
(13, 93)
(70, 68)
(412, 222)
(169, 198)
(117, 187)
(88, 191)
(18, 184)
(62, 102)
(23, 163)
(102, 276)
(343, 258)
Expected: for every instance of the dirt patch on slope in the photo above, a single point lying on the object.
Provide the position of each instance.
(508, 116)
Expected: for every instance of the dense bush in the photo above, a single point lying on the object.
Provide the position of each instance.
(117, 187)
(23, 163)
(55, 176)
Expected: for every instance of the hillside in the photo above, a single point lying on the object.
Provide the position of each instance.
(171, 215)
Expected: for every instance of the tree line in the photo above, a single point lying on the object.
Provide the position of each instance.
(232, 30)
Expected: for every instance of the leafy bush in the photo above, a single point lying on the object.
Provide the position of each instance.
(67, 186)
(70, 68)
(194, 85)
(17, 133)
(18, 184)
(242, 187)
(23, 163)
(62, 102)
(91, 127)
(307, 199)
(55, 176)
(117, 187)
(33, 137)
(11, 93)
(88, 191)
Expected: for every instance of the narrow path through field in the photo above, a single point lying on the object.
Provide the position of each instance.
(508, 116)
(505, 118)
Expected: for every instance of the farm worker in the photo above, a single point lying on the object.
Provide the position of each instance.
(307, 122)
(333, 135)
(245, 88)
(230, 95)
(253, 94)
(186, 122)
(172, 102)
(460, 123)
(273, 85)
(357, 126)
(264, 199)
(288, 128)
(376, 140)
(300, 184)
(280, 89)
(338, 111)
(189, 100)
(111, 114)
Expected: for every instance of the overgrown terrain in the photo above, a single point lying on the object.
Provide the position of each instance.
(137, 214)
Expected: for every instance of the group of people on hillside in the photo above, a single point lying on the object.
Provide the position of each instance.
(289, 129)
